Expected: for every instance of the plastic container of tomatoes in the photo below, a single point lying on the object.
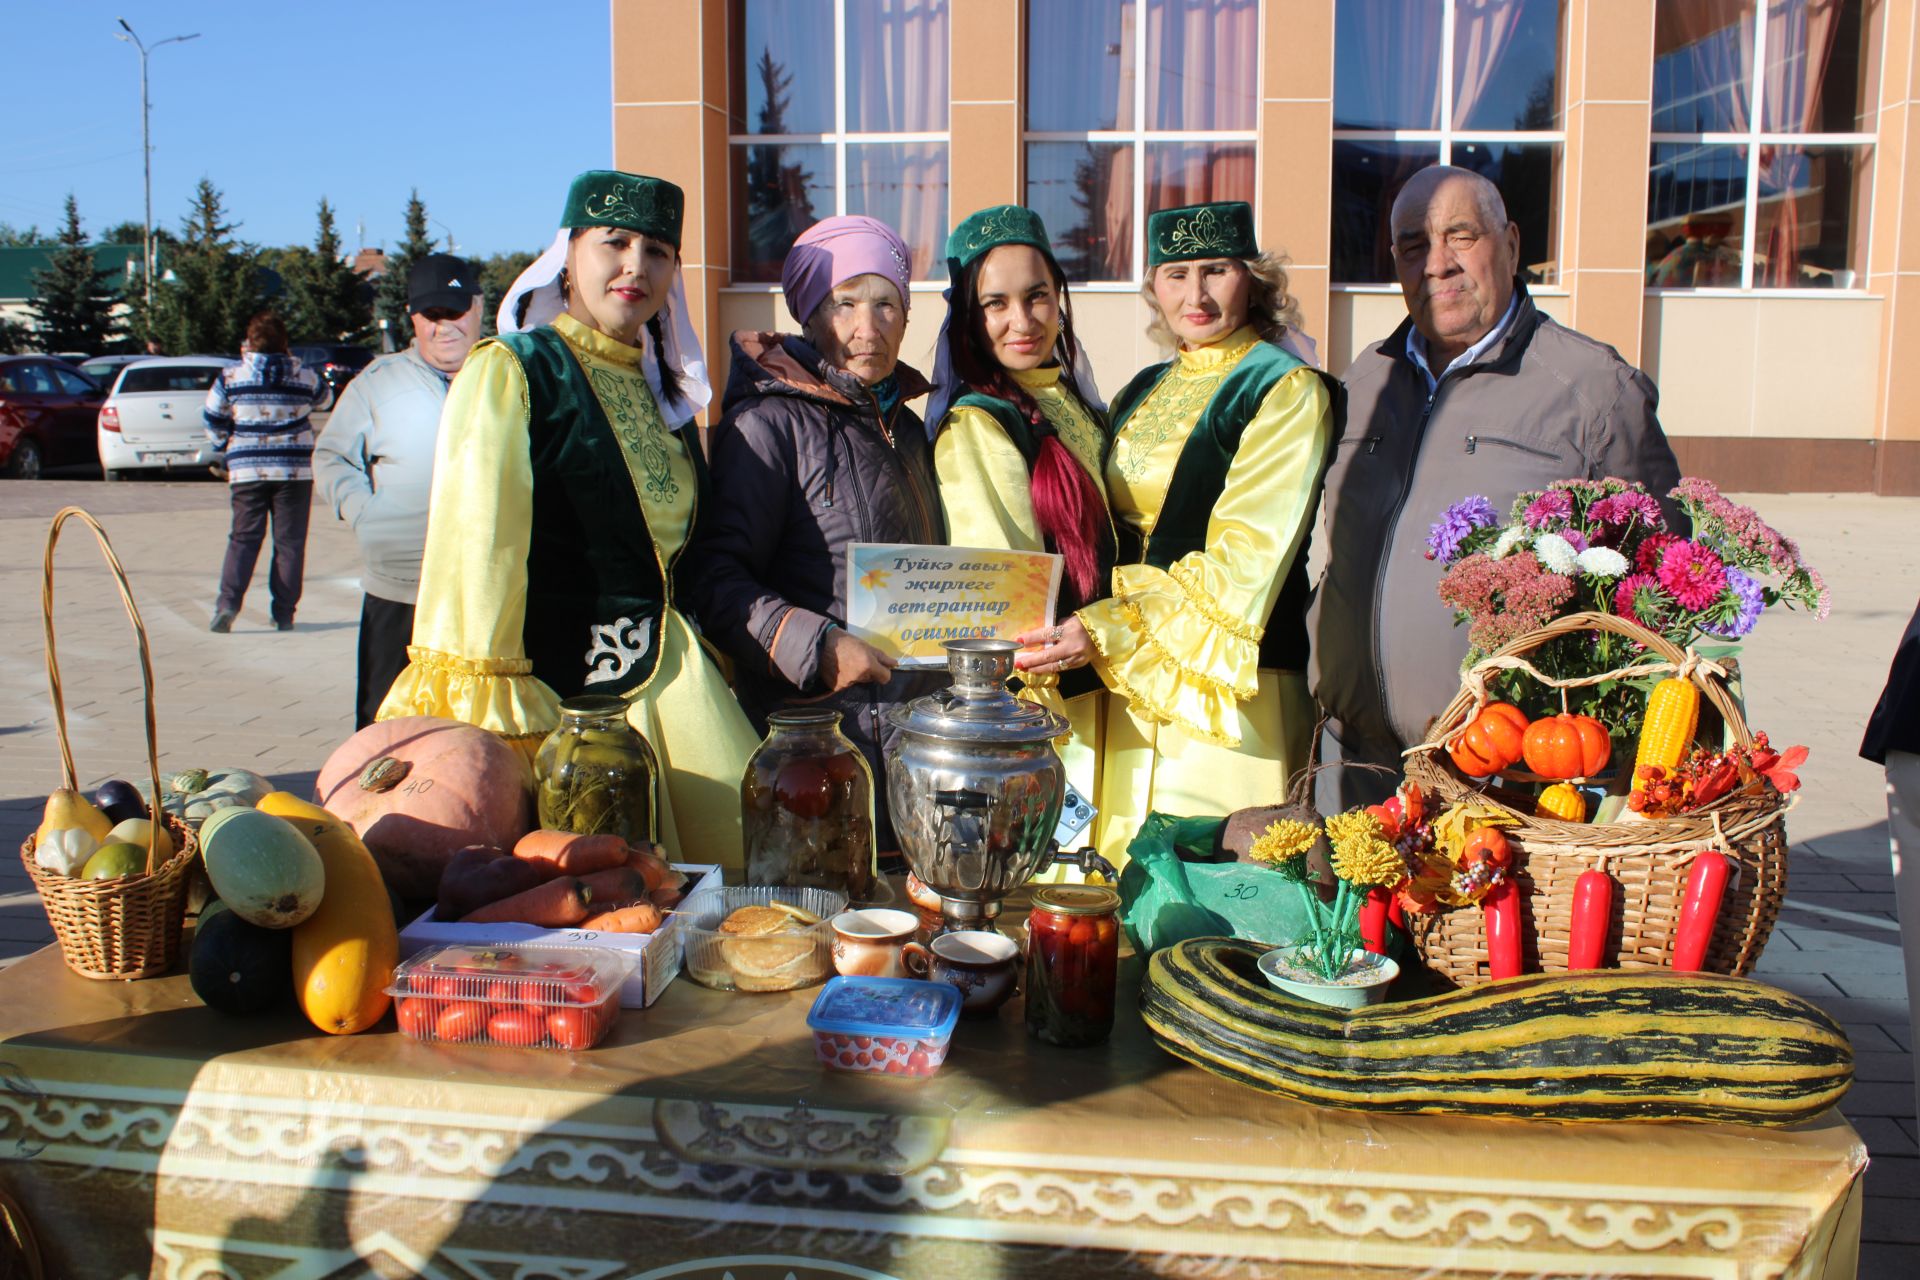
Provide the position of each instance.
(896, 1026)
(527, 997)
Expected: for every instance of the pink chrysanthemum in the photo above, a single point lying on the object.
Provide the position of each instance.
(1628, 597)
(1647, 558)
(1692, 575)
(1553, 506)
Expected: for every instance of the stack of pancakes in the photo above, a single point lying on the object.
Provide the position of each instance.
(773, 948)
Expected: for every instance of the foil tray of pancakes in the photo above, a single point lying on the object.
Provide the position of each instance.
(759, 937)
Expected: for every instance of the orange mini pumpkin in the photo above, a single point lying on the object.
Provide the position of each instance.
(1492, 740)
(1489, 845)
(1567, 746)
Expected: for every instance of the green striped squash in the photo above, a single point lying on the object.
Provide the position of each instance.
(1618, 1044)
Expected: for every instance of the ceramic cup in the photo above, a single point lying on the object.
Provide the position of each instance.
(981, 964)
(868, 943)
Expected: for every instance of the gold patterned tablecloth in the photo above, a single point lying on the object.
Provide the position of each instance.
(146, 1134)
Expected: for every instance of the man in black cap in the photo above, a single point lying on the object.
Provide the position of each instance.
(374, 460)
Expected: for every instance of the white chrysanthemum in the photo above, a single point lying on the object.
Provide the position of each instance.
(1602, 562)
(1508, 540)
(1556, 553)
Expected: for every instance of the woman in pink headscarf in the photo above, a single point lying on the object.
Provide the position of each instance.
(816, 448)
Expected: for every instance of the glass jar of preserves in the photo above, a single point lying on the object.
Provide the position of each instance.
(596, 774)
(806, 807)
(1073, 956)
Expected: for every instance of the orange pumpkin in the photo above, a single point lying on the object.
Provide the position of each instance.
(1490, 846)
(1567, 746)
(1490, 742)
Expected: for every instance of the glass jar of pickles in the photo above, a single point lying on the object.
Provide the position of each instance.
(1073, 955)
(596, 775)
(806, 807)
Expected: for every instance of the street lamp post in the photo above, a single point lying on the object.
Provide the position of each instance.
(146, 150)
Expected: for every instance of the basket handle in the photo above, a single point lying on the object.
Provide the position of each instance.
(68, 774)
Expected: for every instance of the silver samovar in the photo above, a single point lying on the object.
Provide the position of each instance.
(975, 786)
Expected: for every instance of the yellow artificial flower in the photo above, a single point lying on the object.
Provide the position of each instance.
(1367, 861)
(1283, 843)
(1354, 825)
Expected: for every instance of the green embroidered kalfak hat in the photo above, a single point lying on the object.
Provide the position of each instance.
(609, 198)
(1222, 229)
(989, 229)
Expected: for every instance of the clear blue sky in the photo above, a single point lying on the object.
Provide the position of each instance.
(489, 108)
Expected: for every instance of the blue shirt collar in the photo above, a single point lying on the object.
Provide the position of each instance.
(1417, 345)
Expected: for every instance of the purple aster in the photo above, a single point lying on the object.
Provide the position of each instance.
(1748, 602)
(1575, 539)
(1459, 520)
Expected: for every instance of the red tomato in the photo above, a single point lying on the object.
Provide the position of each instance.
(842, 768)
(573, 1028)
(581, 993)
(804, 789)
(448, 988)
(462, 1021)
(416, 1016)
(919, 1063)
(503, 995)
(516, 1027)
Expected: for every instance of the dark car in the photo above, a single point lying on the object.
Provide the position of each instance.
(48, 411)
(336, 362)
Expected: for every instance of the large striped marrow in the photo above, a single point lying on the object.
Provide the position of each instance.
(1621, 1044)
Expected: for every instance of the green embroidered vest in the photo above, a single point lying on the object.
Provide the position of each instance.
(1200, 475)
(596, 591)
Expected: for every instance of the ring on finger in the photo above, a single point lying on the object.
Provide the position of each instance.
(1055, 635)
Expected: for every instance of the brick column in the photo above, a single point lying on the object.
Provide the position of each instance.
(1609, 91)
(1294, 170)
(1893, 259)
(986, 43)
(670, 121)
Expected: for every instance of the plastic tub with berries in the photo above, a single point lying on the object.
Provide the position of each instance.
(524, 996)
(894, 1026)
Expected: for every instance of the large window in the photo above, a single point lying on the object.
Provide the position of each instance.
(1773, 198)
(839, 106)
(1473, 83)
(1107, 145)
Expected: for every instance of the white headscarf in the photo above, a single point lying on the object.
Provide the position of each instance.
(947, 386)
(539, 284)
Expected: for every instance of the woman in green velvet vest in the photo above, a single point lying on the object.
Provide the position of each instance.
(1214, 478)
(565, 486)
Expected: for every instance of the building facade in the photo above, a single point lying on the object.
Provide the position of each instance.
(1715, 187)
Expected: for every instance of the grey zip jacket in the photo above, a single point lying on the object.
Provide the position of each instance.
(1544, 403)
(803, 463)
(374, 465)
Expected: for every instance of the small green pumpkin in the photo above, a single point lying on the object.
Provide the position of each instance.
(197, 794)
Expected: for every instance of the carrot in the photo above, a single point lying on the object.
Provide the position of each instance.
(640, 918)
(652, 863)
(573, 854)
(557, 904)
(665, 899)
(615, 887)
(480, 874)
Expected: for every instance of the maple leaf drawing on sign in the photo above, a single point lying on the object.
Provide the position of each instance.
(876, 579)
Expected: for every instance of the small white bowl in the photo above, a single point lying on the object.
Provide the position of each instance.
(1365, 982)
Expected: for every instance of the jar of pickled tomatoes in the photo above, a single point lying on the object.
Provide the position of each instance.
(1073, 952)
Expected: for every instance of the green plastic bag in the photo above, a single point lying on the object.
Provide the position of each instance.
(1165, 898)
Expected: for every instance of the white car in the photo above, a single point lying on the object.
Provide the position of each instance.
(151, 420)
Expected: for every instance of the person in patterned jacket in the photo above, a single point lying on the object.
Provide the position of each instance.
(257, 413)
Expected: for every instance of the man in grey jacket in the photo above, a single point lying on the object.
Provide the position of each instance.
(374, 461)
(1477, 392)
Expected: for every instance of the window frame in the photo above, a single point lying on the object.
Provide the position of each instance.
(840, 139)
(1137, 139)
(1446, 136)
(1753, 138)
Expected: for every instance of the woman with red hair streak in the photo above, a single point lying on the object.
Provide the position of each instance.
(1021, 439)
(1214, 476)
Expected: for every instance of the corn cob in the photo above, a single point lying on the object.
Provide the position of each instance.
(1666, 734)
(1562, 800)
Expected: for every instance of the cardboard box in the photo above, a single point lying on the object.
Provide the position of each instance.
(658, 952)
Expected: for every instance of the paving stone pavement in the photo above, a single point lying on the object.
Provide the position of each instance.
(277, 703)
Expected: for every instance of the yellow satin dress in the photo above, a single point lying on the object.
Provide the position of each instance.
(1195, 725)
(986, 488)
(468, 661)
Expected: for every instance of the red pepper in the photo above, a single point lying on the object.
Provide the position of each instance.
(1592, 917)
(1699, 910)
(1373, 920)
(1502, 907)
(1397, 911)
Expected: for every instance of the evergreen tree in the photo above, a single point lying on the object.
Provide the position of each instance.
(778, 206)
(497, 275)
(14, 338)
(215, 286)
(391, 303)
(73, 303)
(12, 237)
(326, 301)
